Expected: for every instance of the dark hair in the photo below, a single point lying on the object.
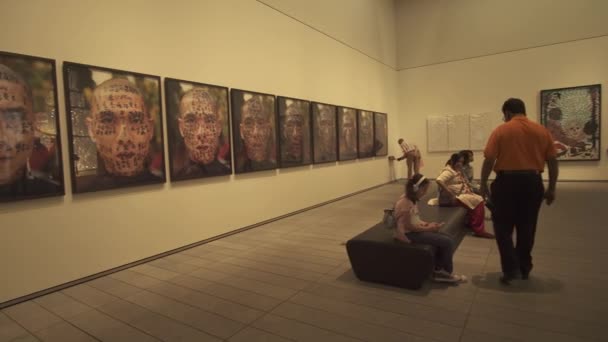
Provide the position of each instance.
(466, 155)
(409, 187)
(453, 159)
(399, 141)
(514, 106)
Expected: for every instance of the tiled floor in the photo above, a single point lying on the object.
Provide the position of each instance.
(291, 281)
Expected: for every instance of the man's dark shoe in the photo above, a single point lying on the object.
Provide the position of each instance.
(525, 274)
(506, 279)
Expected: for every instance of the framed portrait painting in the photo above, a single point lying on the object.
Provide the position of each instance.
(365, 137)
(115, 128)
(347, 133)
(254, 127)
(572, 115)
(380, 134)
(325, 143)
(30, 144)
(198, 127)
(294, 132)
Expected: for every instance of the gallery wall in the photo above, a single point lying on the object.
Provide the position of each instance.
(480, 85)
(436, 31)
(237, 43)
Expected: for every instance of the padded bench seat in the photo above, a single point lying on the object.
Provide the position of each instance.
(376, 257)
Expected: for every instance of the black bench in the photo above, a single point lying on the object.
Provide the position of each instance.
(376, 257)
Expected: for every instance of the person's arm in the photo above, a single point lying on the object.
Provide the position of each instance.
(486, 169)
(553, 173)
(443, 178)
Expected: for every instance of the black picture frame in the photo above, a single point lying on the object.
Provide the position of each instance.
(188, 157)
(380, 134)
(301, 156)
(324, 142)
(347, 128)
(573, 117)
(365, 135)
(244, 161)
(123, 164)
(31, 161)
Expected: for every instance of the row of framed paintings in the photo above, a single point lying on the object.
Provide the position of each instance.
(115, 129)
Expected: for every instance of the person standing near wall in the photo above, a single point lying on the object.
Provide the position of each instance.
(517, 151)
(412, 157)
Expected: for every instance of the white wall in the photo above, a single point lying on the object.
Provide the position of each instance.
(434, 31)
(366, 25)
(483, 84)
(237, 43)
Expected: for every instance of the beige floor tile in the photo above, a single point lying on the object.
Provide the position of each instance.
(264, 288)
(105, 328)
(114, 287)
(9, 329)
(341, 324)
(154, 324)
(172, 266)
(256, 335)
(63, 332)
(62, 305)
(247, 272)
(275, 269)
(286, 262)
(245, 297)
(32, 316)
(135, 279)
(202, 320)
(89, 295)
(209, 303)
(515, 331)
(26, 338)
(297, 331)
(154, 272)
(478, 336)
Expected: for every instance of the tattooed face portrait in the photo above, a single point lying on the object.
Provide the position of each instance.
(200, 125)
(256, 129)
(16, 125)
(120, 126)
(347, 126)
(293, 133)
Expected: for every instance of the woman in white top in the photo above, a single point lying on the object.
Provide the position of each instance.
(454, 190)
(411, 228)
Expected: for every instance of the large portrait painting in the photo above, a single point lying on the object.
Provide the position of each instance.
(347, 133)
(115, 128)
(30, 151)
(324, 133)
(365, 141)
(254, 131)
(198, 128)
(294, 132)
(380, 134)
(572, 115)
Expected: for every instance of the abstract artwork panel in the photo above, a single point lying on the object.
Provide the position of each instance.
(572, 115)
(380, 134)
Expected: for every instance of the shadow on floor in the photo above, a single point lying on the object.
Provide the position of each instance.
(536, 284)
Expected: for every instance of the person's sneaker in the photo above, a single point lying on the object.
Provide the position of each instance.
(445, 277)
(485, 235)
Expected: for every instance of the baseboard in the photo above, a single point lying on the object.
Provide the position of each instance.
(173, 251)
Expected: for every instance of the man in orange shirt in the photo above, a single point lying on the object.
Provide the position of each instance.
(517, 151)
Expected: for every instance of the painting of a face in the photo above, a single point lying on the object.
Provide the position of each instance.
(347, 127)
(324, 127)
(115, 128)
(30, 148)
(366, 134)
(380, 134)
(121, 127)
(254, 117)
(16, 125)
(200, 125)
(294, 118)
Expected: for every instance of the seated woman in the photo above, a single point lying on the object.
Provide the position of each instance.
(454, 190)
(411, 228)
